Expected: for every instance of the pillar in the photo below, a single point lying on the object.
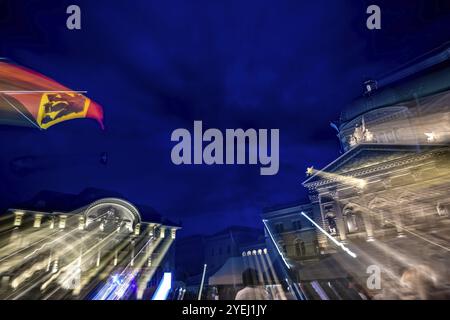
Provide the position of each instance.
(99, 253)
(368, 225)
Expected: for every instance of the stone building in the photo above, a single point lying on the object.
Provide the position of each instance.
(385, 199)
(103, 250)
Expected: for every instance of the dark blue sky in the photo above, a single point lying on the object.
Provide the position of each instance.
(158, 65)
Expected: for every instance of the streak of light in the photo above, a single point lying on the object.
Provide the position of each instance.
(351, 181)
(164, 287)
(276, 245)
(339, 244)
(155, 263)
(268, 266)
(201, 284)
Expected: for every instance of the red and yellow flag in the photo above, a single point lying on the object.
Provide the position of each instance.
(31, 99)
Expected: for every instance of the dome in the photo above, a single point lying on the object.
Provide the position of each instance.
(113, 213)
(427, 82)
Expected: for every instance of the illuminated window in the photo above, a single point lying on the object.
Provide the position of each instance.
(18, 219)
(137, 229)
(62, 222)
(151, 230)
(81, 223)
(37, 220)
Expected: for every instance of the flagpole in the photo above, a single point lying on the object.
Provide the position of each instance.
(15, 108)
(42, 91)
(201, 284)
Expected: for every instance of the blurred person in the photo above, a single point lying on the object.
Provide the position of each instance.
(285, 293)
(391, 289)
(253, 290)
(421, 284)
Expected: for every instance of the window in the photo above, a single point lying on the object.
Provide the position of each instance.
(331, 219)
(352, 223)
(220, 251)
(62, 222)
(310, 214)
(282, 247)
(300, 249)
(296, 224)
(279, 227)
(316, 247)
(228, 249)
(18, 219)
(37, 220)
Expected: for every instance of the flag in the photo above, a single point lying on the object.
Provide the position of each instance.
(28, 98)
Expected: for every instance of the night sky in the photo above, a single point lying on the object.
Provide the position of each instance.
(156, 66)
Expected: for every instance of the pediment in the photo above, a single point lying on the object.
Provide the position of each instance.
(367, 155)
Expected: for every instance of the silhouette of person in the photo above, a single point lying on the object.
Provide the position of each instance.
(253, 290)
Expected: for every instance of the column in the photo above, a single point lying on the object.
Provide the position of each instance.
(398, 224)
(132, 253)
(340, 222)
(367, 225)
(99, 253)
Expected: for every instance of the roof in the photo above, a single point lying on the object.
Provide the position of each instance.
(304, 202)
(369, 154)
(53, 201)
(427, 77)
(50, 201)
(231, 272)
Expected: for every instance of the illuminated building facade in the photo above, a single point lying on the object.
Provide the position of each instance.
(292, 235)
(384, 202)
(103, 250)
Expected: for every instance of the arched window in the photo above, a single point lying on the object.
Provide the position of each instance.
(352, 222)
(331, 219)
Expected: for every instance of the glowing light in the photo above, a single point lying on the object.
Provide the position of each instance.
(164, 287)
(431, 136)
(319, 290)
(309, 171)
(275, 244)
(339, 244)
(203, 281)
(355, 182)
